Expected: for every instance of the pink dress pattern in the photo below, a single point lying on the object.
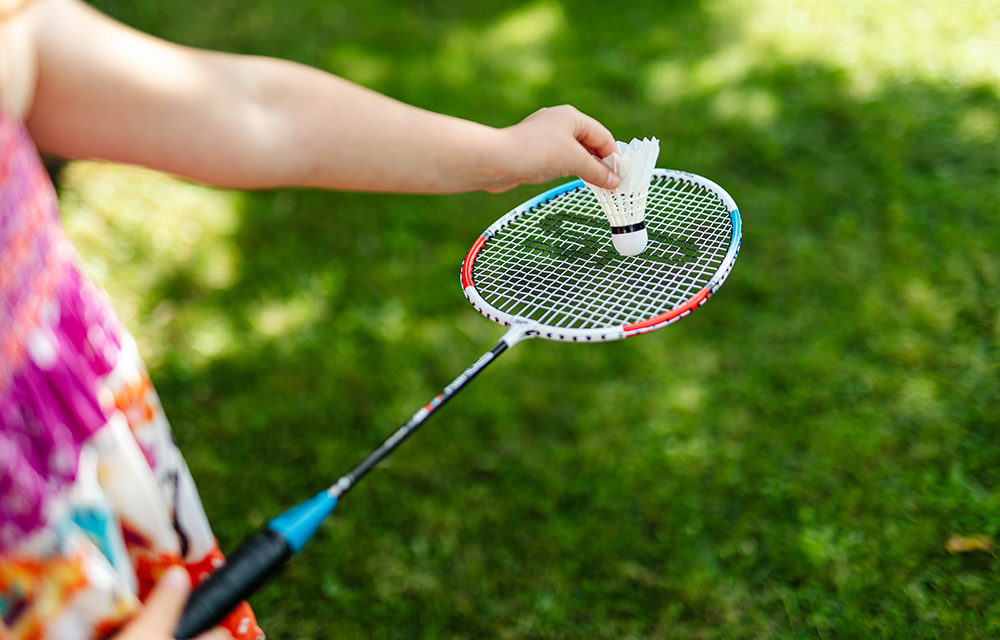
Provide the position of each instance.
(96, 501)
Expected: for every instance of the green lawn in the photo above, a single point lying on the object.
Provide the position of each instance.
(789, 462)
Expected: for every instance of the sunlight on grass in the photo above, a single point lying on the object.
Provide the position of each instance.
(687, 396)
(360, 65)
(919, 399)
(979, 125)
(160, 234)
(754, 107)
(208, 336)
(954, 42)
(136, 230)
(927, 305)
(278, 317)
(272, 318)
(529, 26)
(174, 223)
(514, 46)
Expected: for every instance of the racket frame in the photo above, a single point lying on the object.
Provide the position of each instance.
(523, 327)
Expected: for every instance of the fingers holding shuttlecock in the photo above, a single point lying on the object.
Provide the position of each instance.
(625, 205)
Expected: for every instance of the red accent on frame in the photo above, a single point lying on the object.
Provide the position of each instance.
(667, 316)
(469, 259)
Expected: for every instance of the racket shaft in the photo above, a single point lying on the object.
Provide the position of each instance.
(418, 419)
(262, 556)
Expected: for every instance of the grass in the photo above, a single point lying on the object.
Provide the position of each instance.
(789, 462)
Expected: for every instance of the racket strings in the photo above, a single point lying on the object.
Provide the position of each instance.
(555, 264)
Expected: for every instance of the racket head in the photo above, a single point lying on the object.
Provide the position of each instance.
(549, 263)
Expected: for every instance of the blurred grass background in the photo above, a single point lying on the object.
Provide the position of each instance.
(812, 455)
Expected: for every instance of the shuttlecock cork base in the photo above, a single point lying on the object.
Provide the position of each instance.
(625, 205)
(630, 240)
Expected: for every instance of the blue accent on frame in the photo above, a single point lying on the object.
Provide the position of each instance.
(552, 193)
(300, 523)
(737, 224)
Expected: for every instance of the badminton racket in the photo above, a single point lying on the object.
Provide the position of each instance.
(545, 269)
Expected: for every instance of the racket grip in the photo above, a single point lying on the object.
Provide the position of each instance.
(246, 570)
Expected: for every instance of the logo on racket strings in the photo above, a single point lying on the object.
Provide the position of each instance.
(576, 237)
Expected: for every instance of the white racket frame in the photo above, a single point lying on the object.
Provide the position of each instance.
(521, 328)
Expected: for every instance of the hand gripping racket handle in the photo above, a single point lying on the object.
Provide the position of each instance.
(249, 567)
(253, 563)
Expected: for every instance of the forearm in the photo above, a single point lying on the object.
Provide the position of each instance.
(314, 129)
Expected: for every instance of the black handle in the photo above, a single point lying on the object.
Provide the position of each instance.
(246, 570)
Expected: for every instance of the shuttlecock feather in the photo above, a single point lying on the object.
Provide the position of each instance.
(625, 205)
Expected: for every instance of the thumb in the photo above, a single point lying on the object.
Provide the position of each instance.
(165, 603)
(592, 170)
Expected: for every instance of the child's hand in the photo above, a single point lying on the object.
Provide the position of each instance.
(556, 142)
(159, 617)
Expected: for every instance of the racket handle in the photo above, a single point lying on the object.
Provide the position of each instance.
(252, 564)
(245, 571)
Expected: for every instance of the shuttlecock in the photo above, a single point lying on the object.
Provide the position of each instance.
(625, 205)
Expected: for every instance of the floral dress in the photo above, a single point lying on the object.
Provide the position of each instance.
(96, 501)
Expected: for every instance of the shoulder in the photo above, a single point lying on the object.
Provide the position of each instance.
(21, 21)
(17, 57)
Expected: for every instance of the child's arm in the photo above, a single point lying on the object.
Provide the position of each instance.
(107, 91)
